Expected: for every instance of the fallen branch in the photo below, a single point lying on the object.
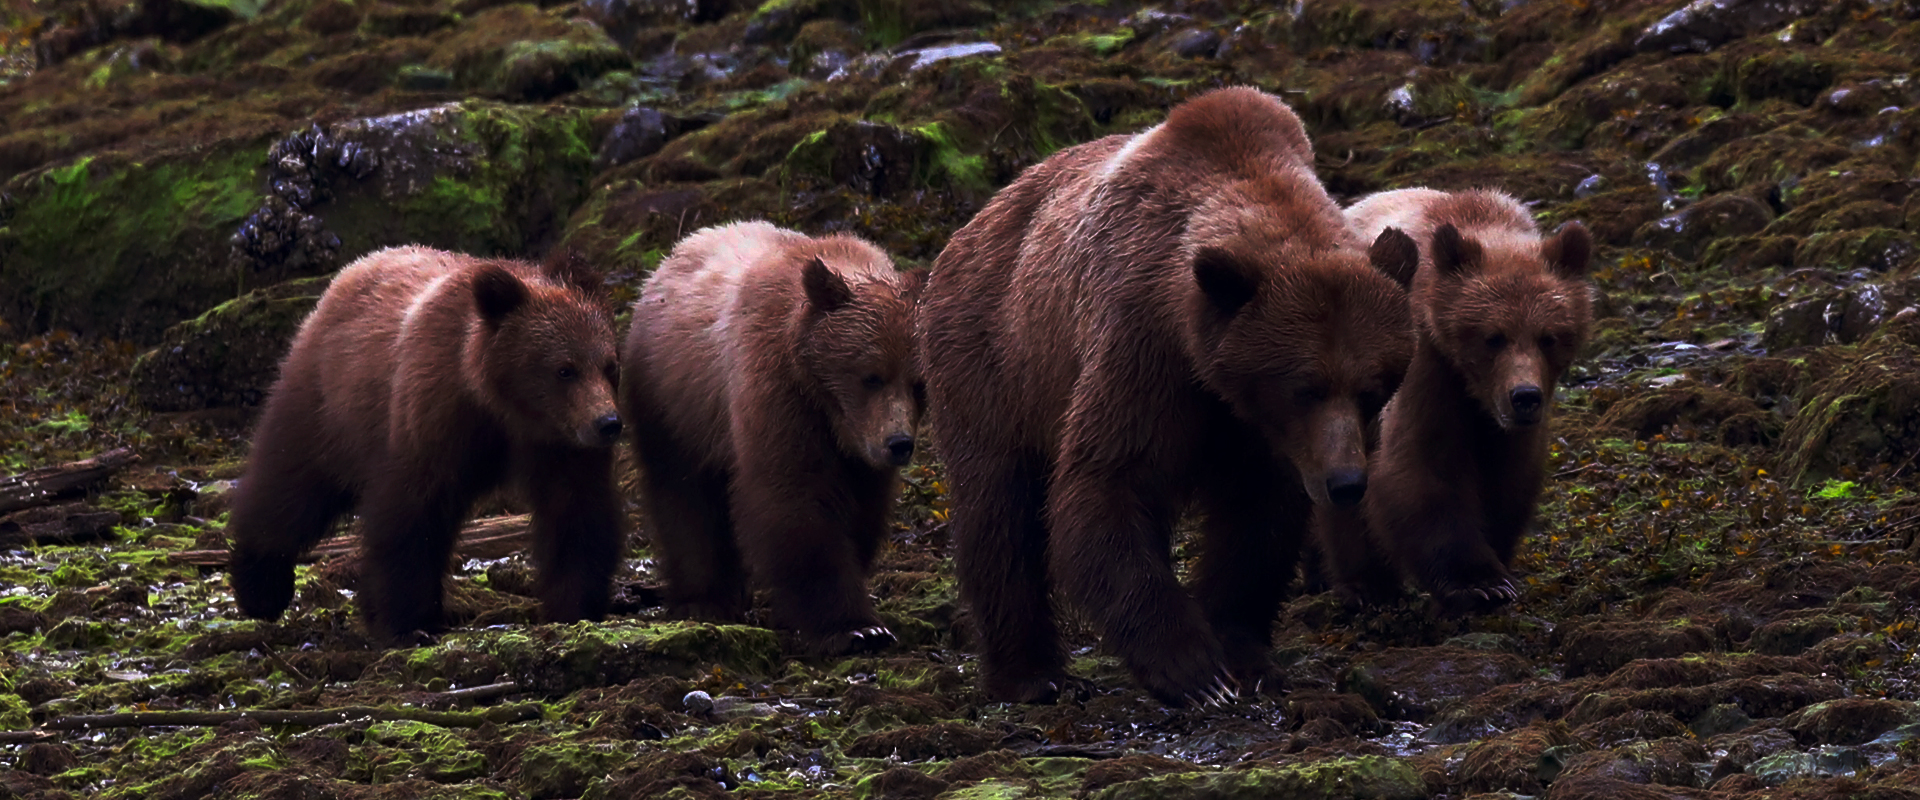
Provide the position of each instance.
(310, 719)
(485, 692)
(26, 737)
(45, 485)
(490, 537)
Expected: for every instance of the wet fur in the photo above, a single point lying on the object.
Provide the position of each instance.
(765, 374)
(423, 380)
(1139, 326)
(1459, 471)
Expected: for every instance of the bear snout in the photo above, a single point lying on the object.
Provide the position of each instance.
(602, 432)
(1345, 487)
(1527, 401)
(899, 449)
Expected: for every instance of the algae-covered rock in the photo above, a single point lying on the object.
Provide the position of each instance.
(125, 247)
(565, 769)
(395, 750)
(1412, 683)
(1604, 647)
(563, 658)
(230, 355)
(1858, 417)
(1362, 778)
(1849, 721)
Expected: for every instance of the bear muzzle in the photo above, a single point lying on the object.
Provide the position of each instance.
(899, 449)
(1528, 402)
(602, 432)
(1345, 487)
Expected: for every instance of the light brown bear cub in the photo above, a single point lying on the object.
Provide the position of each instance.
(1140, 326)
(1500, 314)
(773, 388)
(422, 381)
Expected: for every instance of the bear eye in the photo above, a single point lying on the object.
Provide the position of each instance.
(1497, 341)
(1547, 342)
(872, 381)
(612, 371)
(568, 373)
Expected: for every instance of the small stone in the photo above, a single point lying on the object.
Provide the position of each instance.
(1594, 184)
(1195, 43)
(698, 703)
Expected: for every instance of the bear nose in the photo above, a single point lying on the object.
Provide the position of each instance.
(608, 427)
(1526, 403)
(1345, 487)
(900, 449)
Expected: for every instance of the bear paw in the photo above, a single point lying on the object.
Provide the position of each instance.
(1190, 679)
(871, 639)
(1040, 690)
(1478, 596)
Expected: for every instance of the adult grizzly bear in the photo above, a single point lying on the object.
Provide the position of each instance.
(773, 389)
(1500, 314)
(1140, 324)
(423, 380)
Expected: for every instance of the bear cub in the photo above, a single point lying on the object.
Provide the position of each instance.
(421, 381)
(1500, 313)
(772, 383)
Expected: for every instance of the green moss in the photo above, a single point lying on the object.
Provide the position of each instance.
(564, 769)
(13, 713)
(1363, 778)
(394, 750)
(105, 243)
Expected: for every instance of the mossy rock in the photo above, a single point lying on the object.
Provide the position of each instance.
(885, 21)
(565, 769)
(1876, 249)
(1361, 777)
(229, 356)
(1859, 417)
(563, 658)
(390, 751)
(124, 247)
(516, 52)
(1849, 721)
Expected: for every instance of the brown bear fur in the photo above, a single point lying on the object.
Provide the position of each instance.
(773, 389)
(1140, 325)
(1500, 313)
(422, 381)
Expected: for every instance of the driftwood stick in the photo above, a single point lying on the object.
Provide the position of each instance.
(25, 737)
(491, 537)
(310, 718)
(487, 691)
(44, 485)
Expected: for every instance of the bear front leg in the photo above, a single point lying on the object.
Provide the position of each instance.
(797, 544)
(1000, 557)
(1350, 563)
(1250, 545)
(1111, 552)
(284, 504)
(577, 531)
(1443, 547)
(408, 531)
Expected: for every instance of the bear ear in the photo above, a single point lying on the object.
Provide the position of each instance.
(1395, 254)
(568, 267)
(915, 283)
(1454, 254)
(826, 290)
(497, 293)
(1570, 252)
(1225, 280)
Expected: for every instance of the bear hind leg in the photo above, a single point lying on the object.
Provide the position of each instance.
(1000, 554)
(691, 530)
(279, 511)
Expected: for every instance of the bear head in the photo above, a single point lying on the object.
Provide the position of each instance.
(858, 349)
(545, 352)
(1306, 340)
(1509, 314)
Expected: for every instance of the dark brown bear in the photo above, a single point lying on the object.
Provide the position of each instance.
(771, 382)
(1138, 326)
(422, 381)
(1501, 313)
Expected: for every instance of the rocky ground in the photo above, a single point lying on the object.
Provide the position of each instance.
(1720, 600)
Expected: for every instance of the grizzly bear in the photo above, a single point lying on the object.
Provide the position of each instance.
(1500, 314)
(422, 381)
(1137, 326)
(773, 391)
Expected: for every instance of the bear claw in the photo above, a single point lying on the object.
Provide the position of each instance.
(861, 640)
